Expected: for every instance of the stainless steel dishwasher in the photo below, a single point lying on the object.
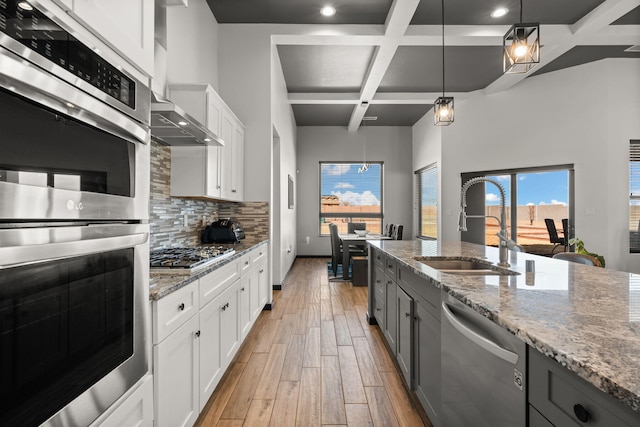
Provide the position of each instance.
(483, 371)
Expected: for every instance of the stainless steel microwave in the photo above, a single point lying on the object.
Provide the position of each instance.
(75, 129)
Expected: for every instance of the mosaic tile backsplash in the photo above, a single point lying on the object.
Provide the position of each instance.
(166, 213)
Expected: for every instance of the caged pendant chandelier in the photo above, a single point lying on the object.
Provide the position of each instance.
(443, 107)
(521, 47)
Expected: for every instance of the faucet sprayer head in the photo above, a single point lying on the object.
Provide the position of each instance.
(462, 220)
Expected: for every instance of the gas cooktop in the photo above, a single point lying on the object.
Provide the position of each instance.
(188, 259)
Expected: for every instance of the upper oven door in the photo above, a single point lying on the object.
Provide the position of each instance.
(66, 155)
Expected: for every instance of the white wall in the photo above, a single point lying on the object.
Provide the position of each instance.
(192, 44)
(252, 84)
(392, 145)
(426, 151)
(583, 115)
(284, 123)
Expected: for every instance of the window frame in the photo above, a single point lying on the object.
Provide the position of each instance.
(348, 216)
(634, 182)
(433, 167)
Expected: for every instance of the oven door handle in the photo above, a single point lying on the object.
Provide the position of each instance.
(15, 256)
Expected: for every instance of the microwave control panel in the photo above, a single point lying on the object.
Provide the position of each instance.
(33, 29)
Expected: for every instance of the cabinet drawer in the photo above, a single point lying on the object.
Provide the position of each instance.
(420, 288)
(560, 396)
(172, 311)
(258, 254)
(245, 263)
(218, 280)
(390, 266)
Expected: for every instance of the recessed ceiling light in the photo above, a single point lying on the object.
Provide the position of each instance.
(499, 12)
(24, 5)
(328, 11)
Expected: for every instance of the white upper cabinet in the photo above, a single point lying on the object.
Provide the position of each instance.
(211, 171)
(125, 25)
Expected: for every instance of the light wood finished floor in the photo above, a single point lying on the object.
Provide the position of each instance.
(313, 360)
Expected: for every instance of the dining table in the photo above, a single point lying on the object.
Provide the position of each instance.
(354, 239)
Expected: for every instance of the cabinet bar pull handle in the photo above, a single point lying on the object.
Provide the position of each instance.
(181, 307)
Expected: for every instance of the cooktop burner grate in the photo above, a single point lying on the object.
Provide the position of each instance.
(188, 258)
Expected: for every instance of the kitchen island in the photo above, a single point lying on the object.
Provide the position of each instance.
(585, 318)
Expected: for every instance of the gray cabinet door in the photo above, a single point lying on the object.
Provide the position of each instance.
(426, 332)
(391, 314)
(405, 329)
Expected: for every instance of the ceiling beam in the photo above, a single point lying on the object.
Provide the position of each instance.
(396, 26)
(398, 98)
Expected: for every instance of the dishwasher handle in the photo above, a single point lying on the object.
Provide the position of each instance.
(483, 342)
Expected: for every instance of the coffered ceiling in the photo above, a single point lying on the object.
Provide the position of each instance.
(384, 58)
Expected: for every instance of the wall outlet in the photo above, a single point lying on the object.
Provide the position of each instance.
(185, 220)
(308, 240)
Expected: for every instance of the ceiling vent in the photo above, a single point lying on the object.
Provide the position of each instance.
(635, 48)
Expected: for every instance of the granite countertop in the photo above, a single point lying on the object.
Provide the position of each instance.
(164, 282)
(586, 318)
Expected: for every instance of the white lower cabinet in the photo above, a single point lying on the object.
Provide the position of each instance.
(246, 313)
(198, 330)
(219, 338)
(176, 376)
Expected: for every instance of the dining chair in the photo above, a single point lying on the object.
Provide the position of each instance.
(397, 233)
(389, 231)
(578, 258)
(337, 249)
(352, 226)
(553, 234)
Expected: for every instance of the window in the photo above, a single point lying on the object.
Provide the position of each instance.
(427, 189)
(349, 196)
(531, 196)
(634, 196)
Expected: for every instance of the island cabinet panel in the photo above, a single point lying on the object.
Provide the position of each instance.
(391, 313)
(405, 334)
(536, 419)
(378, 282)
(426, 375)
(564, 399)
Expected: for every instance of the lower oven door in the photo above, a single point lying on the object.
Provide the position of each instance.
(73, 321)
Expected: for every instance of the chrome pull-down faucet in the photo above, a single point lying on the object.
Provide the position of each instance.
(503, 235)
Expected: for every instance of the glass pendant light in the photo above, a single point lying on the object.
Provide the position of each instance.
(521, 47)
(365, 164)
(443, 107)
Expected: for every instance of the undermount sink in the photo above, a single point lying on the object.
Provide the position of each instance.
(465, 266)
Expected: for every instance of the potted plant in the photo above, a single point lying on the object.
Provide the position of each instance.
(580, 249)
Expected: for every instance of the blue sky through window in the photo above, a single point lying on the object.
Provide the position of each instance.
(539, 188)
(356, 189)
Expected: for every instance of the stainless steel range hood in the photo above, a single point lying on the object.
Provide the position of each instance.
(171, 125)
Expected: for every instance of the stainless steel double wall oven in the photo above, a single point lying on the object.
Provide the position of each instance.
(74, 190)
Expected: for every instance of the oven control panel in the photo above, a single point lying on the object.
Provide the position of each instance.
(33, 29)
